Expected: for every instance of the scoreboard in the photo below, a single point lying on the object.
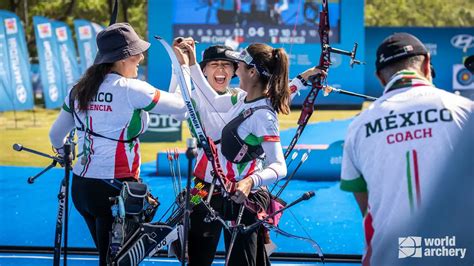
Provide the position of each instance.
(289, 24)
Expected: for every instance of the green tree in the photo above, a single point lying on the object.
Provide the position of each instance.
(427, 13)
(98, 11)
(422, 13)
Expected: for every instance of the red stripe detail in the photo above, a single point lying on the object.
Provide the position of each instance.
(230, 171)
(252, 168)
(417, 178)
(419, 84)
(156, 97)
(369, 233)
(271, 138)
(293, 88)
(136, 162)
(201, 166)
(121, 160)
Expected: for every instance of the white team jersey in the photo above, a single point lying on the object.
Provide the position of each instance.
(261, 126)
(394, 148)
(213, 123)
(119, 112)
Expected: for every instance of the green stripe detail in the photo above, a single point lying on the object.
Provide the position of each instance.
(253, 140)
(233, 99)
(402, 83)
(153, 103)
(135, 125)
(406, 72)
(241, 167)
(150, 106)
(410, 189)
(66, 108)
(356, 185)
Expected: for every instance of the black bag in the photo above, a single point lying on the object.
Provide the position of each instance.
(134, 197)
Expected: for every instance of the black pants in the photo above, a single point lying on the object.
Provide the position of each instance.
(91, 198)
(249, 249)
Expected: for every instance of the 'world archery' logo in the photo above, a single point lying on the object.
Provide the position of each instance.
(463, 41)
(85, 32)
(61, 34)
(10, 25)
(409, 246)
(44, 30)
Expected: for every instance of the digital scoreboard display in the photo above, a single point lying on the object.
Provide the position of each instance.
(266, 21)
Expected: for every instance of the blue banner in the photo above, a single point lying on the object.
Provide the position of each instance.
(68, 56)
(448, 48)
(6, 97)
(86, 32)
(15, 88)
(49, 61)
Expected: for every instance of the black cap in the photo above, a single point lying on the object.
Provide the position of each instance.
(396, 47)
(469, 63)
(216, 52)
(117, 42)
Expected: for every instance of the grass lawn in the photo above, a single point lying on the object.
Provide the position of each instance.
(31, 130)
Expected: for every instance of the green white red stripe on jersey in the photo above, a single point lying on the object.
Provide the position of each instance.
(406, 79)
(154, 101)
(413, 179)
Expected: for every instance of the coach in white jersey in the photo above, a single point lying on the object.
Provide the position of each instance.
(109, 107)
(393, 149)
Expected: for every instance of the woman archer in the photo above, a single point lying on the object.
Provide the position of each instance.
(265, 91)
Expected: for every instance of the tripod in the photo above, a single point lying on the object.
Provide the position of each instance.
(63, 195)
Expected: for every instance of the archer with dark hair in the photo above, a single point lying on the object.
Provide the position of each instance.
(250, 149)
(109, 107)
(218, 68)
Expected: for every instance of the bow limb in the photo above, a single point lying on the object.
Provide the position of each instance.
(313, 243)
(316, 81)
(113, 16)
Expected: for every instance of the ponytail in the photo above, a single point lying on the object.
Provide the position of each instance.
(275, 61)
(278, 90)
(87, 87)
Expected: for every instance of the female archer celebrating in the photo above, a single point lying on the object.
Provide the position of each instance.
(251, 152)
(218, 66)
(109, 107)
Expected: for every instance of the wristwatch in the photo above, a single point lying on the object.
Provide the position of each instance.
(303, 81)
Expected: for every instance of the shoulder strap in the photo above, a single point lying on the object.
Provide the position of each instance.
(250, 111)
(86, 129)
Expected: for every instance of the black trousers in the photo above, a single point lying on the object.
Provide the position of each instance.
(249, 249)
(91, 198)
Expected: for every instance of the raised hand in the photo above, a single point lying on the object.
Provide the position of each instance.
(312, 72)
(181, 54)
(188, 44)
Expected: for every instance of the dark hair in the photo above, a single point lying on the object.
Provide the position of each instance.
(276, 62)
(411, 63)
(87, 87)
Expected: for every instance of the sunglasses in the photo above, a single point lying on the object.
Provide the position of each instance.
(245, 57)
